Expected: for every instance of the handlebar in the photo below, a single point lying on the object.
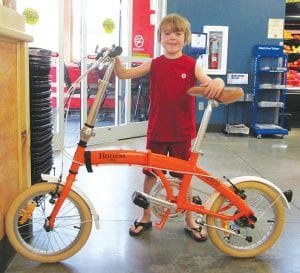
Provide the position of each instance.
(227, 96)
(114, 52)
(110, 52)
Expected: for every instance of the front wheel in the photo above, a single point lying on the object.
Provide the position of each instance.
(27, 231)
(240, 240)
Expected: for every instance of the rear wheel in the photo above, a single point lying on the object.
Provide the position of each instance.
(28, 233)
(269, 210)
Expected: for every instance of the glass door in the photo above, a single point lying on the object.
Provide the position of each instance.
(78, 31)
(124, 112)
(101, 29)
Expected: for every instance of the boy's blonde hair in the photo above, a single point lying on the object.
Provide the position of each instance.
(175, 22)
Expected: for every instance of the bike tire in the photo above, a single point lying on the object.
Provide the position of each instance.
(269, 209)
(72, 225)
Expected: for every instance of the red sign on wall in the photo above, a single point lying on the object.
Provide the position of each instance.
(142, 29)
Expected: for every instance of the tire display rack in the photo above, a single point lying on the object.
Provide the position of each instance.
(41, 124)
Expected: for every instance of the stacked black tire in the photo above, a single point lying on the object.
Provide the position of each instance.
(41, 123)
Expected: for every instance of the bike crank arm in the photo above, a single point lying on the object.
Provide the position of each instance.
(143, 200)
(247, 238)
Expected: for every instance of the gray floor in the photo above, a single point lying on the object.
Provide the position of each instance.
(112, 250)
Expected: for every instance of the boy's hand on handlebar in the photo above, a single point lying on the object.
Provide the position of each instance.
(213, 88)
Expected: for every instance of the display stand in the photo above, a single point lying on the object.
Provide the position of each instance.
(269, 91)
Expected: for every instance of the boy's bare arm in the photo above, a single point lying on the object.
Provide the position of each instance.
(130, 73)
(213, 87)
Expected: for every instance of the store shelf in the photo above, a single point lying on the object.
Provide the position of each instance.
(269, 91)
(270, 104)
(269, 129)
(269, 69)
(293, 90)
(271, 86)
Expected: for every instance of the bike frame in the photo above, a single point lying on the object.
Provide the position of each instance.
(157, 162)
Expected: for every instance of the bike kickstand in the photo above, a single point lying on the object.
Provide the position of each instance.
(160, 225)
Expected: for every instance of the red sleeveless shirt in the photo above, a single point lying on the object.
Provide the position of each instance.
(172, 110)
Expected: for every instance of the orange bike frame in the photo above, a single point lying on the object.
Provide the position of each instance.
(158, 163)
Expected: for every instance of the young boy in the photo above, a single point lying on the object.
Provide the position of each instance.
(171, 125)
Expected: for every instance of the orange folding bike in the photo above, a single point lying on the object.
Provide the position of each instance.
(244, 216)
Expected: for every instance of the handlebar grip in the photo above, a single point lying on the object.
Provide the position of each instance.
(228, 95)
(116, 51)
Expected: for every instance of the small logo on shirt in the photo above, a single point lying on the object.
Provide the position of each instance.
(183, 75)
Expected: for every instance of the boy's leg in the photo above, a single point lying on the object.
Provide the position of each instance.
(138, 226)
(149, 182)
(182, 150)
(197, 232)
(144, 222)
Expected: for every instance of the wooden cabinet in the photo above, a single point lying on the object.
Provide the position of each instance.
(14, 110)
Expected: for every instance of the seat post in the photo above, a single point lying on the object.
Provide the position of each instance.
(204, 123)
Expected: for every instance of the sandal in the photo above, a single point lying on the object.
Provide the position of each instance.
(145, 226)
(192, 233)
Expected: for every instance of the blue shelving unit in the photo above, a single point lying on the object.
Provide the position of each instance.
(269, 91)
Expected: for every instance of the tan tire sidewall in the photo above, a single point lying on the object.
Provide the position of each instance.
(14, 239)
(279, 207)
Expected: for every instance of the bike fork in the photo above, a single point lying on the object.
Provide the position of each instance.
(65, 190)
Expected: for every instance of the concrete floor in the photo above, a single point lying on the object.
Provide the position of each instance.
(112, 250)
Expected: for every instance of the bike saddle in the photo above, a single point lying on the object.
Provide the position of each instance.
(228, 94)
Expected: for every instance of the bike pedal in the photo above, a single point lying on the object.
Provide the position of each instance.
(140, 200)
(197, 200)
